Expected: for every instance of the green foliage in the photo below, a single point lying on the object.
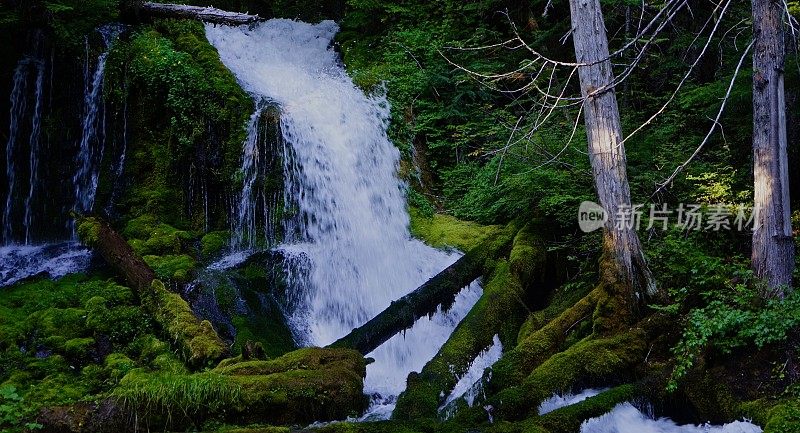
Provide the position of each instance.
(186, 110)
(50, 342)
(13, 412)
(734, 319)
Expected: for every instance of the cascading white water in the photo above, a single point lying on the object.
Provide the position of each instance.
(18, 111)
(470, 384)
(92, 144)
(347, 243)
(33, 141)
(255, 215)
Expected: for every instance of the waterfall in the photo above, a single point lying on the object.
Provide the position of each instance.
(18, 110)
(348, 248)
(26, 105)
(36, 128)
(92, 144)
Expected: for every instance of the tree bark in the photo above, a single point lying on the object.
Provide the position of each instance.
(773, 246)
(438, 291)
(606, 154)
(205, 14)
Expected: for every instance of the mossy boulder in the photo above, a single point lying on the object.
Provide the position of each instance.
(213, 243)
(313, 384)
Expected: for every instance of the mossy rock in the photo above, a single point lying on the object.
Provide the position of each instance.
(538, 346)
(528, 257)
(178, 268)
(212, 244)
(310, 358)
(568, 419)
(79, 348)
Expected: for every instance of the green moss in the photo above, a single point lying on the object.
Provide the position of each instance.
(78, 348)
(310, 384)
(66, 322)
(784, 418)
(214, 243)
(310, 358)
(499, 311)
(538, 346)
(148, 236)
(117, 365)
(592, 361)
(443, 231)
(88, 230)
(196, 339)
(528, 256)
(178, 268)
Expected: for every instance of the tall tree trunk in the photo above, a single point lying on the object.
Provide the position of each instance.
(607, 156)
(773, 247)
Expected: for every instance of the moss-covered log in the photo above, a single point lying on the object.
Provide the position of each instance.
(569, 419)
(438, 291)
(591, 362)
(205, 14)
(499, 311)
(115, 250)
(196, 339)
(538, 346)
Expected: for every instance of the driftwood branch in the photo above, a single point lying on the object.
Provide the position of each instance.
(205, 14)
(440, 290)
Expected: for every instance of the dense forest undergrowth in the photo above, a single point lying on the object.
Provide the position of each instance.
(203, 350)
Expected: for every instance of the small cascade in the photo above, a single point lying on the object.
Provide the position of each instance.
(470, 384)
(93, 136)
(348, 252)
(34, 143)
(255, 215)
(27, 101)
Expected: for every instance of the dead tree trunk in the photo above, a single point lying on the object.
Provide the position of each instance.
(205, 14)
(606, 154)
(438, 291)
(773, 246)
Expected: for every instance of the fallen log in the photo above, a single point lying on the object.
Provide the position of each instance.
(205, 14)
(115, 250)
(440, 290)
(198, 342)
